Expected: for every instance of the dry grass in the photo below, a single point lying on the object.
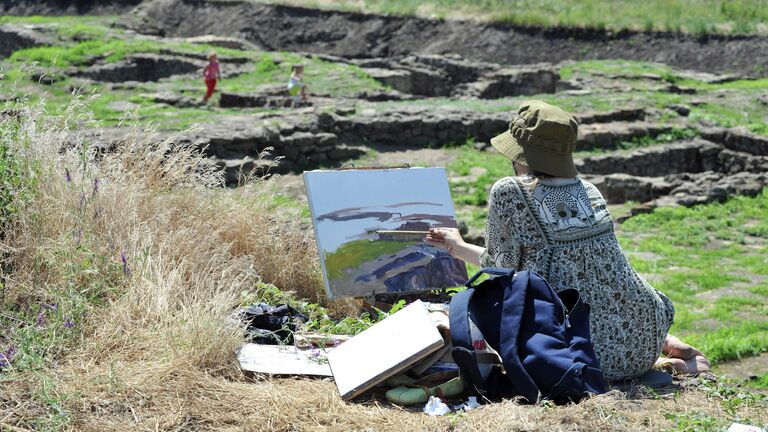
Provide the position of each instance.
(153, 350)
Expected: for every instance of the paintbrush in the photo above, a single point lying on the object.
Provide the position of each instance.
(399, 235)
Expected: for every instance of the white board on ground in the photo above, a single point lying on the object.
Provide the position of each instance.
(282, 360)
(370, 225)
(387, 348)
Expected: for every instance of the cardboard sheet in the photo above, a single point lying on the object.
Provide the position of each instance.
(387, 348)
(283, 360)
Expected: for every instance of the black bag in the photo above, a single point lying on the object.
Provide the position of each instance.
(270, 325)
(541, 336)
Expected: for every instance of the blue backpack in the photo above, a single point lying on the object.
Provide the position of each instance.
(541, 336)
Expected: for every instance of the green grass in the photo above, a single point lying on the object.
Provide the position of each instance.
(613, 67)
(702, 249)
(111, 49)
(759, 382)
(474, 192)
(675, 134)
(85, 39)
(691, 16)
(351, 255)
(752, 117)
(15, 187)
(322, 77)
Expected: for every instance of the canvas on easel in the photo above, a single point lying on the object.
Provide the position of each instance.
(370, 226)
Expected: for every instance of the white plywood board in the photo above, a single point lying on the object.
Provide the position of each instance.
(387, 348)
(283, 360)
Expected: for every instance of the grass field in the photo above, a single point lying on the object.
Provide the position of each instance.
(113, 314)
(691, 16)
(86, 39)
(117, 276)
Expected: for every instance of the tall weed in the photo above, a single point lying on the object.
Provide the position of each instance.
(133, 253)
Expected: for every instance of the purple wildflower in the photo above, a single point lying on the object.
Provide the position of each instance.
(51, 306)
(41, 319)
(68, 323)
(96, 184)
(67, 175)
(124, 259)
(7, 356)
(315, 353)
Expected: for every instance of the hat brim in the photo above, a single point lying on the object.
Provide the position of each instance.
(507, 145)
(537, 159)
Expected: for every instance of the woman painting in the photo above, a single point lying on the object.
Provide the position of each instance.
(548, 220)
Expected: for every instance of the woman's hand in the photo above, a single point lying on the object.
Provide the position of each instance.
(449, 238)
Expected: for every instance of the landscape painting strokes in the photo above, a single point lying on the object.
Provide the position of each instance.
(359, 218)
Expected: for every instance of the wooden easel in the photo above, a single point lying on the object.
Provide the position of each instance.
(351, 166)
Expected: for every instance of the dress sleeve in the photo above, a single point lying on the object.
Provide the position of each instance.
(501, 247)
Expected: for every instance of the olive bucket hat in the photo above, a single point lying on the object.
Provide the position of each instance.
(540, 136)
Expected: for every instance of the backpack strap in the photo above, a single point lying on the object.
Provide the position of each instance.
(511, 322)
(461, 338)
(464, 353)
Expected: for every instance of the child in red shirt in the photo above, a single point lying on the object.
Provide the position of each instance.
(211, 73)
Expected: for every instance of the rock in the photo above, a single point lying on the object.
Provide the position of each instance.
(176, 100)
(602, 135)
(383, 96)
(672, 88)
(267, 96)
(16, 37)
(455, 68)
(623, 114)
(227, 62)
(521, 81)
(566, 85)
(344, 152)
(690, 156)
(718, 187)
(709, 78)
(620, 188)
(238, 171)
(681, 109)
(714, 134)
(441, 75)
(732, 162)
(142, 68)
(8, 98)
(374, 63)
(740, 139)
(428, 82)
(122, 106)
(45, 77)
(222, 41)
(398, 79)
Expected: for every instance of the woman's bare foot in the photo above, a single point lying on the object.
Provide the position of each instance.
(682, 359)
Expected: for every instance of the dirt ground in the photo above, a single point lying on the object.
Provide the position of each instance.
(356, 35)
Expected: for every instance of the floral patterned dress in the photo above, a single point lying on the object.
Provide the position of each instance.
(563, 232)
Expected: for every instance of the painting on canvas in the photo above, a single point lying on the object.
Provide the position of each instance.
(359, 216)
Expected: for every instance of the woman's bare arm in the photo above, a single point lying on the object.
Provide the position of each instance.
(450, 238)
